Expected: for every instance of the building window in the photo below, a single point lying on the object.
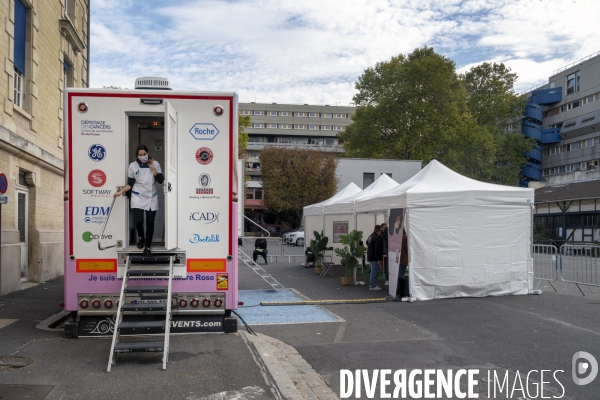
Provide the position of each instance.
(300, 114)
(553, 151)
(256, 112)
(257, 125)
(575, 146)
(330, 141)
(573, 83)
(283, 113)
(285, 126)
(20, 41)
(328, 115)
(340, 115)
(313, 115)
(18, 88)
(246, 112)
(272, 126)
(368, 179)
(313, 127)
(273, 113)
(326, 127)
(299, 126)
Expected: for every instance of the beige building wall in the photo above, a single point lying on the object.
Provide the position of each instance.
(31, 135)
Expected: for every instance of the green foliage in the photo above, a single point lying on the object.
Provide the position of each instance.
(351, 251)
(417, 107)
(244, 121)
(317, 245)
(295, 178)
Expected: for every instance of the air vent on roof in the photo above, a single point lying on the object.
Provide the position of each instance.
(153, 82)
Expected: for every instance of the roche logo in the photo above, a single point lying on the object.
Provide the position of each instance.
(204, 131)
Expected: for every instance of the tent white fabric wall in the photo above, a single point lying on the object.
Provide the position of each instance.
(341, 209)
(465, 237)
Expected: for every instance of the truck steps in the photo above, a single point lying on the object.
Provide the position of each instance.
(140, 318)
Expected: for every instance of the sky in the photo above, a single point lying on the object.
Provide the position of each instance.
(309, 51)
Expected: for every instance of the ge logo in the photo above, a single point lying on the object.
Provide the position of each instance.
(584, 363)
(97, 152)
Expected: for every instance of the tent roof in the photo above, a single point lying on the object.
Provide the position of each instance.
(438, 185)
(346, 205)
(317, 209)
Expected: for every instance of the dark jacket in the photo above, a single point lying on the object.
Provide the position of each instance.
(374, 247)
(260, 243)
(404, 253)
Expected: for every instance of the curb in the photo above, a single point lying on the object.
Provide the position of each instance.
(293, 377)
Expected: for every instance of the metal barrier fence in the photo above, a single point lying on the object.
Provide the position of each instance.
(276, 249)
(572, 263)
(545, 264)
(579, 265)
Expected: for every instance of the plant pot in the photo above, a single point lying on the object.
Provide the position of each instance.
(318, 270)
(346, 280)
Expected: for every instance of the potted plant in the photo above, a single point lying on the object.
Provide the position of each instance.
(350, 254)
(317, 245)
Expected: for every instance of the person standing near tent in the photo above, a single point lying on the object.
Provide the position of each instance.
(374, 255)
(384, 263)
(402, 278)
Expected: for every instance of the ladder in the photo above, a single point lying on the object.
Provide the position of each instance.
(259, 270)
(140, 318)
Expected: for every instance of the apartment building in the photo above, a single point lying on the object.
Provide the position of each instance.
(45, 47)
(563, 115)
(286, 125)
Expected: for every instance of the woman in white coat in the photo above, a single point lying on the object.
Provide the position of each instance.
(142, 177)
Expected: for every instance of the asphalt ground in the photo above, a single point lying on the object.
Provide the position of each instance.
(509, 333)
(514, 333)
(203, 366)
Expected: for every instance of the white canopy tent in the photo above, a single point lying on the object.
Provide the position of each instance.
(317, 209)
(465, 237)
(341, 210)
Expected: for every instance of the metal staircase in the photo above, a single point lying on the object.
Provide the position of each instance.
(259, 270)
(140, 318)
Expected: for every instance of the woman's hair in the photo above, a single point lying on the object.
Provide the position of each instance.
(141, 147)
(394, 214)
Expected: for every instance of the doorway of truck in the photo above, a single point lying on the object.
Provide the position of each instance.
(148, 130)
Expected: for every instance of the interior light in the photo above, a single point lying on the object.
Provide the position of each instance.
(155, 123)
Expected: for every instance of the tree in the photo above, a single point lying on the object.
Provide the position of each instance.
(418, 107)
(494, 105)
(244, 121)
(294, 178)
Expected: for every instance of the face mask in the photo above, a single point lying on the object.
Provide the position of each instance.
(143, 159)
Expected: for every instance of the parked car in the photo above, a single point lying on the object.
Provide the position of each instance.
(295, 237)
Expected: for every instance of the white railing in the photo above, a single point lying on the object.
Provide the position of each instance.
(575, 63)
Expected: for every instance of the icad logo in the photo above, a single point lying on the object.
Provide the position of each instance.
(97, 152)
(204, 131)
(207, 218)
(204, 239)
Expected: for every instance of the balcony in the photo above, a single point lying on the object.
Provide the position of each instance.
(531, 172)
(546, 96)
(532, 130)
(535, 154)
(303, 146)
(551, 135)
(582, 125)
(533, 111)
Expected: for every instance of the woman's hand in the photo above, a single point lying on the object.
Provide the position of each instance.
(152, 167)
(117, 194)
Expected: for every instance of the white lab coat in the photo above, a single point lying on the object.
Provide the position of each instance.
(144, 193)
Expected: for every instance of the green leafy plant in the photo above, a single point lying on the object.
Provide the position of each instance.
(351, 251)
(317, 245)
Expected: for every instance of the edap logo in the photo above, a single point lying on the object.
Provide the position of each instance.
(204, 131)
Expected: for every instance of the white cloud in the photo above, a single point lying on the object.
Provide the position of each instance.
(312, 51)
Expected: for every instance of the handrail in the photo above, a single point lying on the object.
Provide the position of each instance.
(242, 214)
(104, 227)
(556, 71)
